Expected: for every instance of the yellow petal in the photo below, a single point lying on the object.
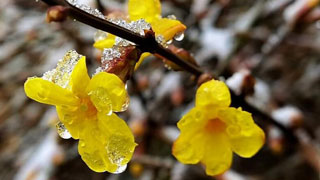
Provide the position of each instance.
(142, 57)
(189, 147)
(213, 93)
(105, 43)
(245, 136)
(113, 88)
(80, 78)
(120, 145)
(106, 144)
(218, 154)
(92, 149)
(47, 92)
(72, 120)
(147, 9)
(193, 120)
(167, 27)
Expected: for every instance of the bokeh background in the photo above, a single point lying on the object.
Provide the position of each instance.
(275, 41)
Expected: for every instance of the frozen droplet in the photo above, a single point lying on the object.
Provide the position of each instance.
(233, 130)
(160, 39)
(100, 35)
(170, 41)
(86, 8)
(120, 169)
(110, 54)
(100, 98)
(82, 144)
(173, 17)
(62, 131)
(125, 105)
(179, 36)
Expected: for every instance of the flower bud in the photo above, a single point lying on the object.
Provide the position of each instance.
(56, 14)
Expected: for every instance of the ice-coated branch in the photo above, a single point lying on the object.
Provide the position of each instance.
(145, 43)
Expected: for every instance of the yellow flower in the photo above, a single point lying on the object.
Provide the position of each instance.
(212, 130)
(85, 108)
(150, 11)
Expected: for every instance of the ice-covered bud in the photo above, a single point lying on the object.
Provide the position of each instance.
(120, 61)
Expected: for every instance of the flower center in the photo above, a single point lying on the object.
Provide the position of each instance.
(215, 126)
(87, 107)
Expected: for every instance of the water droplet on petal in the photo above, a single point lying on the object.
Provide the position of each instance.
(62, 131)
(179, 36)
(120, 169)
(109, 113)
(82, 144)
(173, 17)
(125, 105)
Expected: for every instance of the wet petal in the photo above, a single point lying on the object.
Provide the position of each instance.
(120, 144)
(213, 93)
(168, 27)
(80, 78)
(72, 120)
(141, 59)
(113, 88)
(47, 92)
(92, 150)
(150, 10)
(189, 148)
(218, 154)
(106, 143)
(245, 136)
(192, 121)
(105, 43)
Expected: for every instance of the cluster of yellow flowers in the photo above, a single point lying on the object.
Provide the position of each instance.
(210, 132)
(150, 11)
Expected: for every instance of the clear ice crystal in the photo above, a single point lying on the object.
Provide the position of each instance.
(160, 39)
(173, 17)
(137, 27)
(62, 131)
(120, 169)
(62, 73)
(110, 54)
(87, 9)
(100, 35)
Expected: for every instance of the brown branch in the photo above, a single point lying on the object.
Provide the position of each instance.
(149, 44)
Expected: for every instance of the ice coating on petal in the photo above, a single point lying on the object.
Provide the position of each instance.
(62, 131)
(61, 74)
(100, 98)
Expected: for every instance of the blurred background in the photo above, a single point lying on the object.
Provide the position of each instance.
(268, 51)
